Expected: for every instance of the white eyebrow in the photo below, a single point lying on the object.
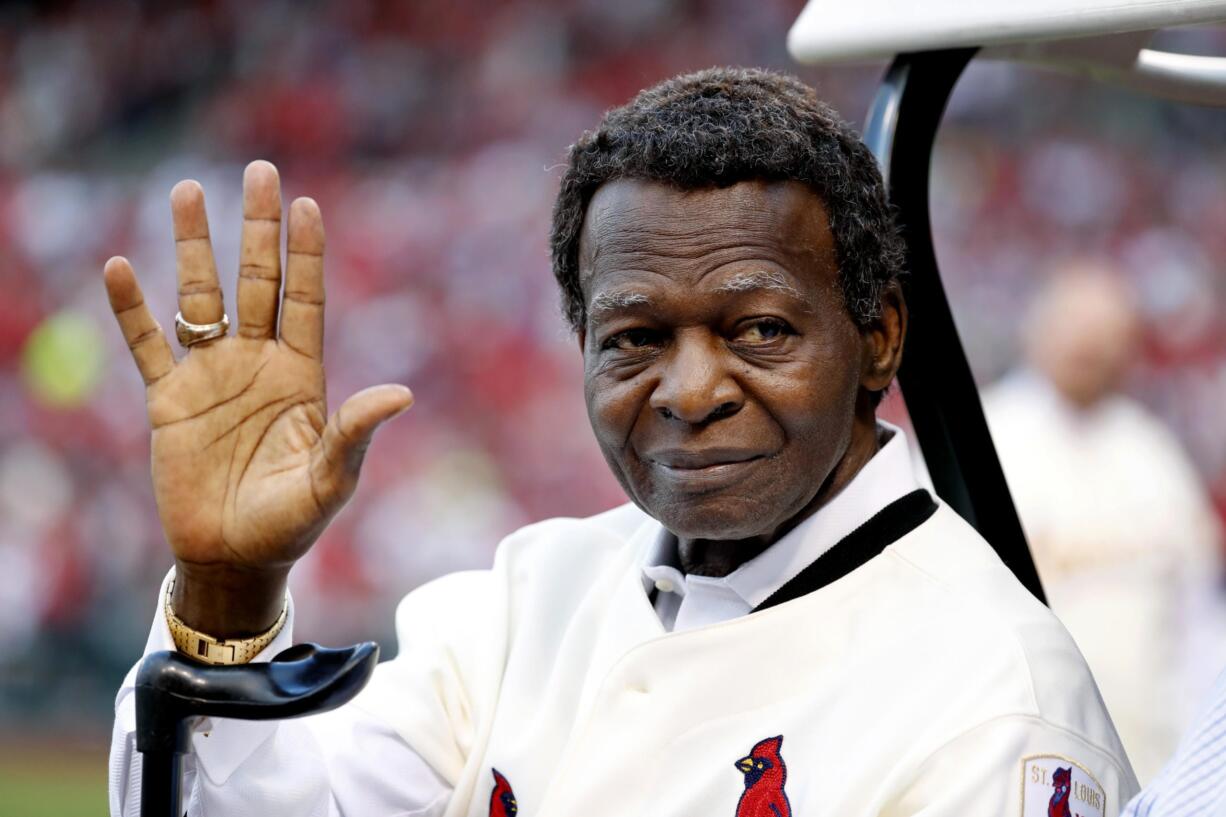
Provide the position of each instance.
(616, 300)
(760, 279)
(613, 301)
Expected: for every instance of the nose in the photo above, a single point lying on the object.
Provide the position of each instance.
(695, 385)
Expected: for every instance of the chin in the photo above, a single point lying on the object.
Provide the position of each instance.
(715, 517)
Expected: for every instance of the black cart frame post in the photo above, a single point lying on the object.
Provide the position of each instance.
(936, 379)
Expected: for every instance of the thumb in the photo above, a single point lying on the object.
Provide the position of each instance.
(347, 436)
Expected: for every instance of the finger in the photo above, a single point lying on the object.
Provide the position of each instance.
(302, 306)
(347, 436)
(199, 292)
(259, 272)
(142, 333)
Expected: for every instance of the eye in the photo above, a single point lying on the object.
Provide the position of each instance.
(631, 339)
(763, 330)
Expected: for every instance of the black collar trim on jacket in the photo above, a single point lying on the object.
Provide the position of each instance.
(883, 529)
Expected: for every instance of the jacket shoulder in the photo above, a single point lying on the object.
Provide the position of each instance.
(987, 609)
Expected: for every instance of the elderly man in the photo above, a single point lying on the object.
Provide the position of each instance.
(1123, 533)
(783, 622)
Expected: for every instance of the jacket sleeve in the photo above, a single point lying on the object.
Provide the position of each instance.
(1013, 765)
(350, 762)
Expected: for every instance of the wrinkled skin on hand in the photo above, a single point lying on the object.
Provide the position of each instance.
(248, 468)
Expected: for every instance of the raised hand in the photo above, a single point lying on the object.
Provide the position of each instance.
(246, 469)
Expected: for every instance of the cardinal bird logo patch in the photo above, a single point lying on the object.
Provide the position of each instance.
(502, 799)
(1054, 786)
(765, 774)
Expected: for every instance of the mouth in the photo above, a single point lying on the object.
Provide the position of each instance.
(683, 459)
(705, 470)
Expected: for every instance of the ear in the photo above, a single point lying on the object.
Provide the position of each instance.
(882, 340)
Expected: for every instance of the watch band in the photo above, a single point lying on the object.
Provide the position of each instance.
(204, 647)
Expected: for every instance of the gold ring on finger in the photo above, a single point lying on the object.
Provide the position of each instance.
(193, 333)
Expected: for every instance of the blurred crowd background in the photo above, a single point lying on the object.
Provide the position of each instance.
(431, 134)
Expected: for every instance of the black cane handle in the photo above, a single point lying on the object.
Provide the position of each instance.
(172, 689)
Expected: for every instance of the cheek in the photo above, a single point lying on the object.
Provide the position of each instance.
(613, 408)
(815, 401)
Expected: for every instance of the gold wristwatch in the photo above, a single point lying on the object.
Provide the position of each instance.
(211, 650)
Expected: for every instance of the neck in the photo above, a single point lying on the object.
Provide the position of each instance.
(719, 557)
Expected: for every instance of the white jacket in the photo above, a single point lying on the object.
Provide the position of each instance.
(928, 681)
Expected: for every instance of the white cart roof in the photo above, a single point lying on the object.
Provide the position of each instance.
(833, 30)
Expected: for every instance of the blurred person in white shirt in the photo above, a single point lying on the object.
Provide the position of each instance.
(1122, 531)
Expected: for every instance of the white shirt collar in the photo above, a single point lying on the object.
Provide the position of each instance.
(883, 479)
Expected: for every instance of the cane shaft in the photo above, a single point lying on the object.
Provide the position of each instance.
(161, 784)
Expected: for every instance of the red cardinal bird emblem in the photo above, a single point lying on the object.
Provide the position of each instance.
(1061, 780)
(765, 775)
(502, 799)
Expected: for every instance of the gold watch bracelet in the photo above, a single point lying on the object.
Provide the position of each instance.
(223, 651)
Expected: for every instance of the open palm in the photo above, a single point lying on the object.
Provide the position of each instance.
(247, 466)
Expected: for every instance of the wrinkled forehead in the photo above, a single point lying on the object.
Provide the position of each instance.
(632, 218)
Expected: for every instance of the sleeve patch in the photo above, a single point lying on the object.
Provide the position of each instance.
(1056, 786)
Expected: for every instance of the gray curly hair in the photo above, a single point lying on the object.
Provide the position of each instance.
(721, 126)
